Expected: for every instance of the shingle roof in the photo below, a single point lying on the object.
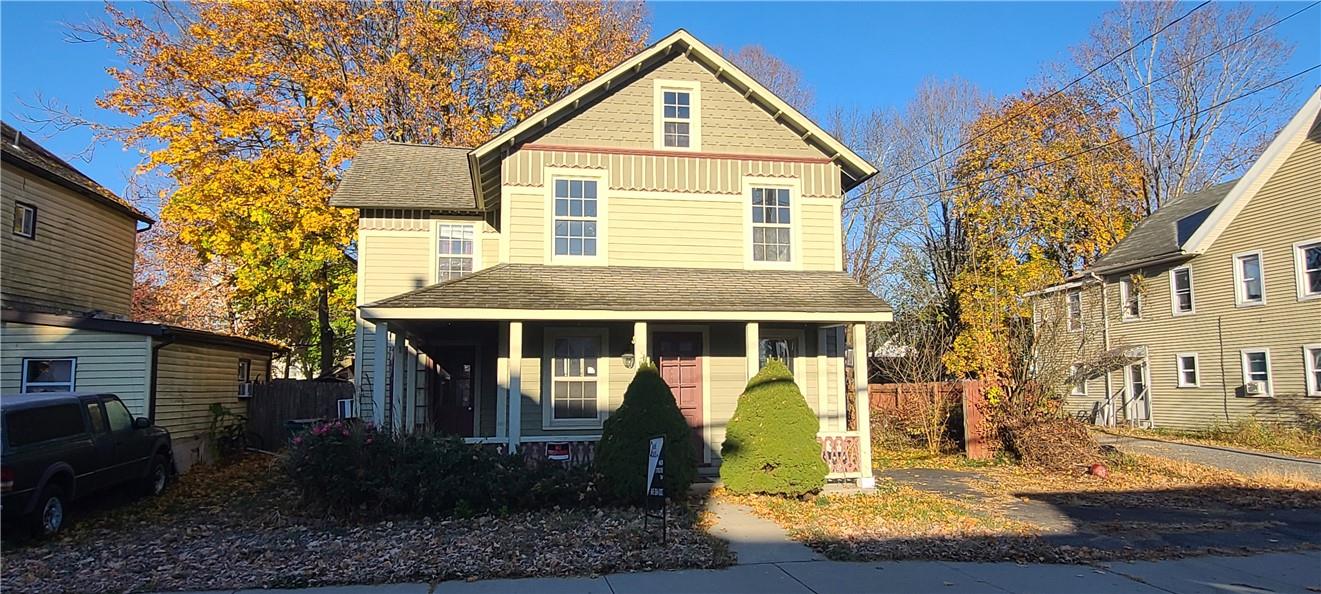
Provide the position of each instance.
(398, 175)
(1163, 233)
(20, 150)
(638, 288)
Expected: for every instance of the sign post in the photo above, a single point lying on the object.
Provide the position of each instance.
(655, 507)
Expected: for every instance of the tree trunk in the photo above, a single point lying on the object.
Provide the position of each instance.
(325, 334)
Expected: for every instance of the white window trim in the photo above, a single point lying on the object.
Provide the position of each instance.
(602, 179)
(1125, 287)
(1178, 370)
(1270, 375)
(1240, 296)
(1075, 384)
(1299, 266)
(1313, 386)
(795, 187)
(603, 362)
(478, 228)
(73, 374)
(1174, 296)
(27, 208)
(1068, 310)
(694, 90)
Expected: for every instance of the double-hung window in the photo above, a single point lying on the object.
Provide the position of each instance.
(455, 243)
(577, 378)
(1187, 364)
(49, 375)
(245, 378)
(772, 229)
(25, 220)
(1181, 290)
(1249, 286)
(1257, 368)
(576, 221)
(1312, 365)
(1074, 298)
(678, 118)
(1130, 298)
(1307, 263)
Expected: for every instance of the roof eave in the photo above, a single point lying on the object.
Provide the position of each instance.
(50, 176)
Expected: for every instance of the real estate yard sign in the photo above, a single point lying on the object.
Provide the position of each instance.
(655, 505)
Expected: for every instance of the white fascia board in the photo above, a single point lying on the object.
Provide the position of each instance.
(443, 313)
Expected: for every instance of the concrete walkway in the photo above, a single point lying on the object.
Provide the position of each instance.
(1283, 573)
(755, 540)
(1245, 462)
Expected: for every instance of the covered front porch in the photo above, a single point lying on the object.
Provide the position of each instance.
(542, 381)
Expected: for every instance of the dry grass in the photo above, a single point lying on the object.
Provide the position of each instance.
(1292, 440)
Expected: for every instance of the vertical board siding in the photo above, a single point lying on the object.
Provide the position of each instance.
(193, 376)
(81, 258)
(730, 123)
(107, 362)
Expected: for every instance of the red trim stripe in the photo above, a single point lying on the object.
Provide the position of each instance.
(655, 153)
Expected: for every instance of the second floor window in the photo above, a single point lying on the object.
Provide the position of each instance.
(575, 217)
(1181, 290)
(25, 220)
(1075, 310)
(1307, 259)
(676, 113)
(1249, 289)
(771, 227)
(454, 251)
(1130, 298)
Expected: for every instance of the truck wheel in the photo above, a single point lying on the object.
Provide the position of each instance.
(49, 515)
(157, 477)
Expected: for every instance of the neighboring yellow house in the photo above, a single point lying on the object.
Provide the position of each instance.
(66, 290)
(1214, 300)
(672, 209)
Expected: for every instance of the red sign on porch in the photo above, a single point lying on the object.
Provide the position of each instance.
(557, 451)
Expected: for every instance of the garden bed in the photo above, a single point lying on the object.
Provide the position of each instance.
(241, 526)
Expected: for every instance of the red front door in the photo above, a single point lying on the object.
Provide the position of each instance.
(679, 356)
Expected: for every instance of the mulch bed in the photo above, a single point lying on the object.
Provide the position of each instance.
(238, 526)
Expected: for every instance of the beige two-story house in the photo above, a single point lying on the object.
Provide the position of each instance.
(67, 246)
(1211, 307)
(671, 210)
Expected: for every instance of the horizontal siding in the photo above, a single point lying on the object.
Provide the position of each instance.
(729, 375)
(693, 233)
(819, 224)
(679, 173)
(191, 377)
(81, 258)
(107, 362)
(730, 123)
(394, 264)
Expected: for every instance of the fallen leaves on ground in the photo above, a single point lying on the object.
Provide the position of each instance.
(240, 526)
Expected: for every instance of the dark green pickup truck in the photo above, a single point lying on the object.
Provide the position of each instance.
(62, 446)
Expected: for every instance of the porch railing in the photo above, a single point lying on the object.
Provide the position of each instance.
(842, 452)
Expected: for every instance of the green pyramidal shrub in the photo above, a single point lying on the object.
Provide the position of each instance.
(770, 444)
(648, 410)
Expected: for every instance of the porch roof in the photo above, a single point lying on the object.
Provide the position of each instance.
(537, 291)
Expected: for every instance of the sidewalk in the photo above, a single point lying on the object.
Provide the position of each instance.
(1244, 462)
(1275, 573)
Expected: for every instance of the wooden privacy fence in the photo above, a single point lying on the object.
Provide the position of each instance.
(978, 437)
(277, 401)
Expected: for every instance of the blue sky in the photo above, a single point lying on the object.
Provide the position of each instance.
(852, 54)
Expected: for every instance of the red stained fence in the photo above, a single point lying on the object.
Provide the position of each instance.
(978, 437)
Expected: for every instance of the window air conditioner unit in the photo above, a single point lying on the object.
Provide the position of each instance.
(1255, 388)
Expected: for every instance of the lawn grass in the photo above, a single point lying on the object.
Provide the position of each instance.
(1278, 438)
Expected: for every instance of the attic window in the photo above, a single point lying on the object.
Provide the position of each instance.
(678, 115)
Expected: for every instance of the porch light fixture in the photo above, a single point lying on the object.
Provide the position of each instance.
(629, 360)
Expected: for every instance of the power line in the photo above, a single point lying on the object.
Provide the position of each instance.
(1048, 96)
(1090, 149)
(1096, 108)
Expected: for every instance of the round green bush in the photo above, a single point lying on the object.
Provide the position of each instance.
(770, 444)
(648, 410)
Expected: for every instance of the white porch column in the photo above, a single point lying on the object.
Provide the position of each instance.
(862, 406)
(515, 384)
(502, 382)
(380, 354)
(752, 342)
(397, 387)
(822, 381)
(639, 342)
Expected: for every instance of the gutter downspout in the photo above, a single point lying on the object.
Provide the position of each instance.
(1105, 333)
(166, 340)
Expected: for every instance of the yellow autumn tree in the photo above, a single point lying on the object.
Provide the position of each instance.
(1046, 185)
(253, 108)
